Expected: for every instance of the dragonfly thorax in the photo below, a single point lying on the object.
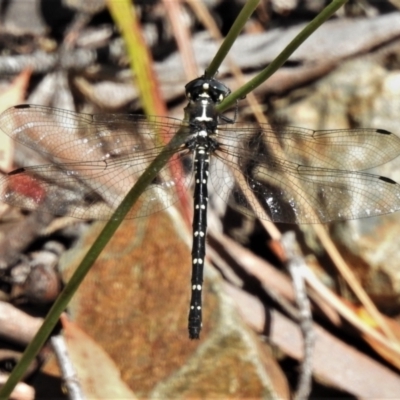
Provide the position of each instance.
(204, 94)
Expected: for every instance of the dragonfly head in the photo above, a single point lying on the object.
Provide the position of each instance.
(203, 88)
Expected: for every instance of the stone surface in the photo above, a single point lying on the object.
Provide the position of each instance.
(134, 303)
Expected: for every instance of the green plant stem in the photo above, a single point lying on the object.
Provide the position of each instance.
(148, 176)
(326, 13)
(106, 234)
(230, 38)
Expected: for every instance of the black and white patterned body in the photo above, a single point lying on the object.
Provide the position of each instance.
(203, 95)
(96, 159)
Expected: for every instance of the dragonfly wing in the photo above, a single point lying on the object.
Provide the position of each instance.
(90, 190)
(65, 136)
(116, 149)
(352, 150)
(286, 192)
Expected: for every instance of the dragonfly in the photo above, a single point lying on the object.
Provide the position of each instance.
(284, 174)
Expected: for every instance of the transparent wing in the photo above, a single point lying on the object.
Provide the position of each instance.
(306, 187)
(115, 149)
(296, 175)
(351, 150)
(66, 136)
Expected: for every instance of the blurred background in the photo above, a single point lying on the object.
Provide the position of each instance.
(126, 328)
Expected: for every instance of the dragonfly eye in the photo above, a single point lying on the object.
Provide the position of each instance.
(203, 88)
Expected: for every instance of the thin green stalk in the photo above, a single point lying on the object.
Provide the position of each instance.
(230, 38)
(326, 13)
(106, 234)
(148, 176)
